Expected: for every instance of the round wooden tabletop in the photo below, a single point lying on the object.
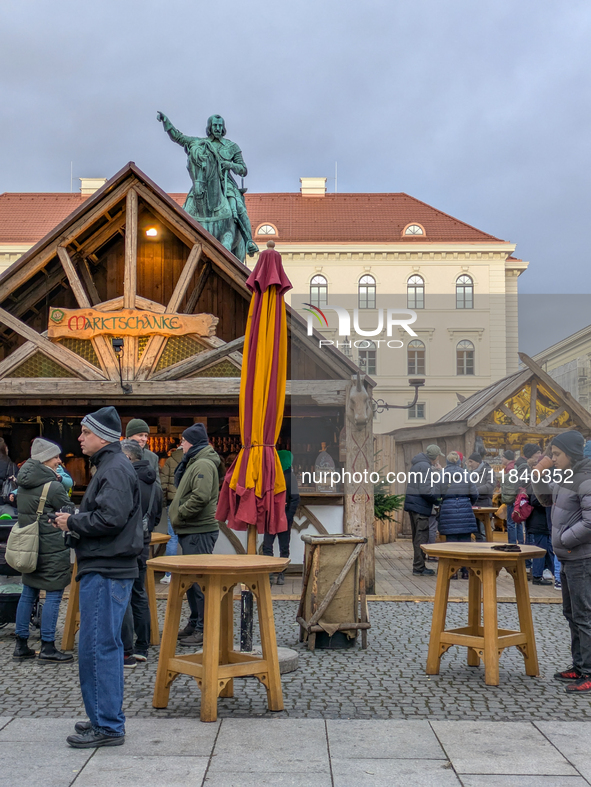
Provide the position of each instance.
(480, 550)
(219, 564)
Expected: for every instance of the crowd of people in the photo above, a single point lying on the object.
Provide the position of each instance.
(110, 533)
(545, 498)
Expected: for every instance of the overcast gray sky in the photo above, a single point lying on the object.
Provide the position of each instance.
(478, 108)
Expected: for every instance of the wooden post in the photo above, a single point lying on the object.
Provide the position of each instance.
(130, 280)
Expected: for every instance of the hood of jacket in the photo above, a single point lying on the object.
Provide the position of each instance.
(419, 459)
(206, 453)
(145, 472)
(33, 473)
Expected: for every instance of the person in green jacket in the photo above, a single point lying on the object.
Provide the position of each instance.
(53, 571)
(192, 515)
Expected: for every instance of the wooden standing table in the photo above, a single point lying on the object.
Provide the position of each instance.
(482, 636)
(156, 540)
(218, 664)
(485, 514)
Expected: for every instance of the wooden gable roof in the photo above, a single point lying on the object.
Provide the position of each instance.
(99, 257)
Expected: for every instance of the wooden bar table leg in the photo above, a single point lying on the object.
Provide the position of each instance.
(526, 624)
(212, 590)
(227, 634)
(474, 614)
(488, 527)
(72, 620)
(169, 640)
(439, 615)
(269, 642)
(151, 591)
(491, 630)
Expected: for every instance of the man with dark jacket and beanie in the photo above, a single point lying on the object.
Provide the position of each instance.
(108, 536)
(292, 501)
(137, 429)
(421, 495)
(192, 514)
(569, 493)
(137, 614)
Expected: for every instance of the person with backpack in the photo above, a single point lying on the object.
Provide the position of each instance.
(568, 491)
(8, 482)
(192, 514)
(137, 614)
(40, 494)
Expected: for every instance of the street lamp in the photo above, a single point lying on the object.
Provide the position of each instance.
(379, 405)
(118, 349)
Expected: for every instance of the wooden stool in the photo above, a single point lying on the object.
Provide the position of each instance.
(157, 539)
(485, 514)
(215, 667)
(482, 636)
(72, 622)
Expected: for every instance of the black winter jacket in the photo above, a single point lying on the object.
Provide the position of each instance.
(109, 524)
(421, 493)
(539, 520)
(485, 485)
(54, 569)
(146, 477)
(292, 495)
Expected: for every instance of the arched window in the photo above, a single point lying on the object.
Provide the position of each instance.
(367, 292)
(464, 292)
(367, 357)
(415, 292)
(416, 357)
(319, 291)
(266, 229)
(465, 357)
(414, 229)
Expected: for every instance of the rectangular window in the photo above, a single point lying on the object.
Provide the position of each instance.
(415, 298)
(465, 362)
(417, 411)
(367, 361)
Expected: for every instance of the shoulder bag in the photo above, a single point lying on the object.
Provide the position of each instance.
(22, 547)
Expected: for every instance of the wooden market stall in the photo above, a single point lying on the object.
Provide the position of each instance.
(525, 407)
(130, 302)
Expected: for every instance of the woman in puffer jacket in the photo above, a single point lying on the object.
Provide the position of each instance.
(54, 569)
(458, 494)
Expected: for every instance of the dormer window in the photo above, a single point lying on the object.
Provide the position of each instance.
(266, 229)
(414, 229)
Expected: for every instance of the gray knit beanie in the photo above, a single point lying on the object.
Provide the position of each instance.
(44, 450)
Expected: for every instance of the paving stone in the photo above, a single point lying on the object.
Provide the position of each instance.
(117, 769)
(387, 739)
(573, 740)
(523, 781)
(393, 773)
(169, 737)
(274, 779)
(515, 748)
(42, 765)
(4, 720)
(44, 730)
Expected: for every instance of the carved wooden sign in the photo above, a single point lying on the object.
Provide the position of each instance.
(88, 323)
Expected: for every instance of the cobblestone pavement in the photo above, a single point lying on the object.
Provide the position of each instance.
(387, 681)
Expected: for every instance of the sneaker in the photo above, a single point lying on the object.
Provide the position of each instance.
(187, 631)
(165, 580)
(568, 676)
(432, 559)
(541, 581)
(280, 579)
(93, 740)
(581, 685)
(426, 572)
(195, 640)
(548, 574)
(557, 585)
(129, 662)
(141, 657)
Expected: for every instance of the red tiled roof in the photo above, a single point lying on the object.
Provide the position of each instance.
(334, 218)
(26, 218)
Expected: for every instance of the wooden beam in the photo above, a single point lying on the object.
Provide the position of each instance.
(140, 303)
(156, 344)
(89, 284)
(575, 409)
(517, 421)
(427, 431)
(199, 361)
(130, 273)
(40, 259)
(17, 357)
(508, 428)
(80, 294)
(199, 287)
(58, 352)
(509, 389)
(105, 233)
(533, 402)
(552, 417)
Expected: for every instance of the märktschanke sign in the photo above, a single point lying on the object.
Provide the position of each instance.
(87, 323)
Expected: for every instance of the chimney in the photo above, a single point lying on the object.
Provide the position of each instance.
(89, 185)
(313, 187)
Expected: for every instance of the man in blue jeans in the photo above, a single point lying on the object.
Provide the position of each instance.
(108, 536)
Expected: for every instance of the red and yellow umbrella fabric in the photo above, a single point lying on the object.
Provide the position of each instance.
(253, 493)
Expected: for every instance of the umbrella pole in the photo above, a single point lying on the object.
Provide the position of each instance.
(246, 600)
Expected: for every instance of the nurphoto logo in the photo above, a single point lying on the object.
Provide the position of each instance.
(389, 317)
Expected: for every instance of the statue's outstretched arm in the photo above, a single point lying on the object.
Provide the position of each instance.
(238, 165)
(173, 132)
